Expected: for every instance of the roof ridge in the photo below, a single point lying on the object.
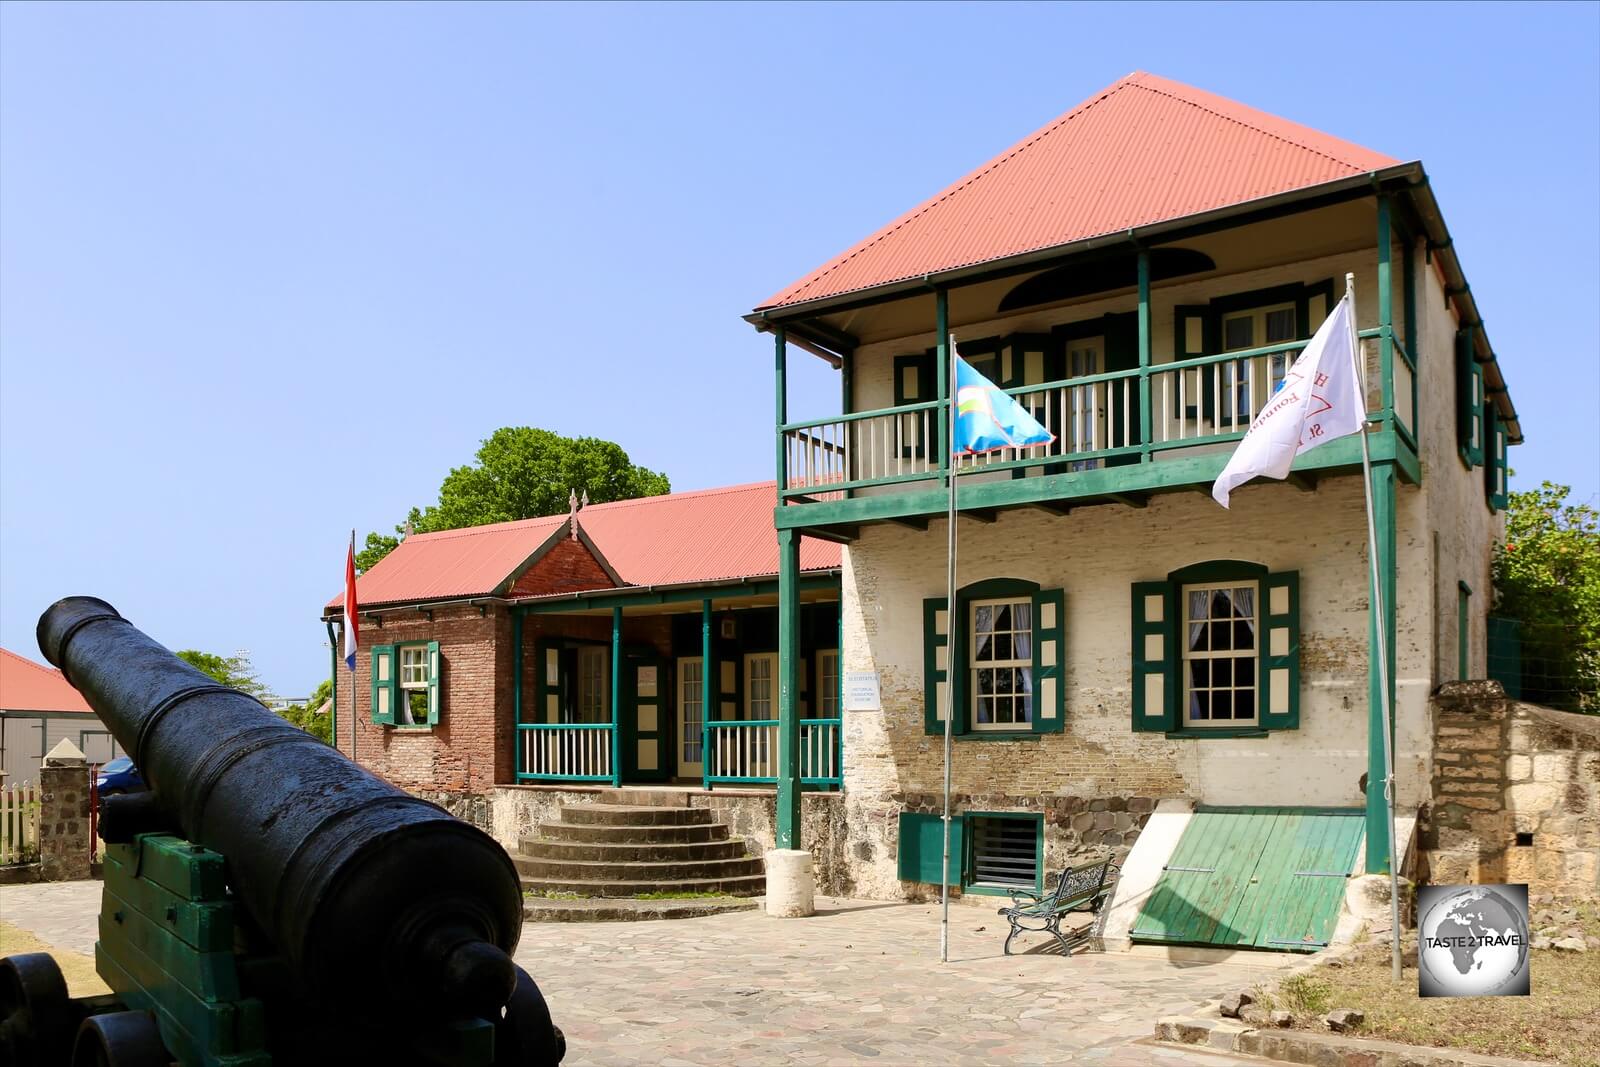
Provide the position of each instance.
(716, 490)
(486, 527)
(1211, 110)
(42, 667)
(962, 184)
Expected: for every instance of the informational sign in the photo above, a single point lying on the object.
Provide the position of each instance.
(861, 691)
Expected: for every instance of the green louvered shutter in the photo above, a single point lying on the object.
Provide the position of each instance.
(1155, 657)
(921, 847)
(935, 661)
(914, 384)
(1494, 460)
(384, 684)
(1469, 400)
(435, 690)
(1279, 688)
(1049, 659)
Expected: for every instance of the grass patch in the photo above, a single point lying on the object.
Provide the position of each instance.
(542, 894)
(76, 968)
(680, 896)
(1559, 1022)
(1306, 994)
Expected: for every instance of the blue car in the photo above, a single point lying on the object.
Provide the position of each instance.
(119, 776)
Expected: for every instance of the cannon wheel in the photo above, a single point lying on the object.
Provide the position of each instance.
(526, 1037)
(120, 1039)
(35, 1026)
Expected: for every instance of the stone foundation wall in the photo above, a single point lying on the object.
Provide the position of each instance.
(1516, 793)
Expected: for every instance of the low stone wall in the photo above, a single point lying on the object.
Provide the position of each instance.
(1516, 793)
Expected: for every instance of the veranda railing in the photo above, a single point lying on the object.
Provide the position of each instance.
(747, 752)
(566, 752)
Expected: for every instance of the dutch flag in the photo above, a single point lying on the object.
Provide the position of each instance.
(351, 626)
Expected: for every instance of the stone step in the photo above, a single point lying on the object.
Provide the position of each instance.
(629, 909)
(650, 798)
(633, 815)
(631, 851)
(542, 870)
(629, 834)
(744, 886)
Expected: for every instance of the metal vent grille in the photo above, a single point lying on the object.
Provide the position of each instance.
(1005, 851)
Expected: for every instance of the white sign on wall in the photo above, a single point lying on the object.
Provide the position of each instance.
(861, 691)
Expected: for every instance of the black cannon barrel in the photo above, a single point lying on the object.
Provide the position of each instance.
(363, 887)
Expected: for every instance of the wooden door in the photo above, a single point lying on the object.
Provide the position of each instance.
(646, 755)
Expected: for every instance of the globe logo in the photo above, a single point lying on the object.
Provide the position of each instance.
(1473, 941)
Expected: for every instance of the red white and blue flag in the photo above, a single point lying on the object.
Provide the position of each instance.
(351, 626)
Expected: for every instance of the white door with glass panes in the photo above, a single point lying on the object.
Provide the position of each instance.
(1000, 664)
(691, 723)
(1244, 385)
(1220, 646)
(760, 705)
(1084, 420)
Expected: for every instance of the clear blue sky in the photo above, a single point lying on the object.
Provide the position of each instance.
(268, 272)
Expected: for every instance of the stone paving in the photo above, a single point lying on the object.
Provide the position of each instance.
(859, 983)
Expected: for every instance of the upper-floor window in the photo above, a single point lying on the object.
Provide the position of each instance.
(1220, 672)
(1001, 667)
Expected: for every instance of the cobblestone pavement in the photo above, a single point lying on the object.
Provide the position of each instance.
(859, 983)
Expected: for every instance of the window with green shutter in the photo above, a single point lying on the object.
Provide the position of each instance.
(1469, 400)
(1216, 651)
(407, 684)
(1008, 658)
(1494, 466)
(914, 383)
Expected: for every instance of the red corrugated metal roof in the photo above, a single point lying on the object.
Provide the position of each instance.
(1144, 150)
(29, 686)
(682, 538)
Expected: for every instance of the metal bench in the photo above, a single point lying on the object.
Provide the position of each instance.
(1081, 888)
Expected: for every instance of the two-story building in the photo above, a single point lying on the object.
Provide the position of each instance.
(1139, 274)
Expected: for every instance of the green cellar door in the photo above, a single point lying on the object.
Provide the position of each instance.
(1270, 878)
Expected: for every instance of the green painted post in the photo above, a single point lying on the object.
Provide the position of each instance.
(333, 674)
(1385, 313)
(1383, 518)
(941, 320)
(1146, 412)
(1408, 284)
(846, 388)
(616, 701)
(788, 692)
(705, 693)
(780, 355)
(516, 671)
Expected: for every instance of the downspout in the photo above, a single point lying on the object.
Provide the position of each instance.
(333, 679)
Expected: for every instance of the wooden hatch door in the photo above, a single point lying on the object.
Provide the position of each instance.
(646, 750)
(1269, 878)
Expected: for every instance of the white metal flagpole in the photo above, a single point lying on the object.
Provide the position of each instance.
(949, 658)
(1380, 627)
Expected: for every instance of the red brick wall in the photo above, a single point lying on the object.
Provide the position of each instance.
(569, 567)
(470, 748)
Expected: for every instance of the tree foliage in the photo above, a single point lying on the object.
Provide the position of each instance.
(235, 671)
(306, 715)
(521, 473)
(1547, 577)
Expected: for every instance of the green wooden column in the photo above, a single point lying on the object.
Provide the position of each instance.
(616, 701)
(516, 690)
(780, 356)
(333, 695)
(788, 689)
(707, 669)
(941, 348)
(1383, 517)
(1146, 411)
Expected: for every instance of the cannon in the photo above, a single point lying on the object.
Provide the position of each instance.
(336, 918)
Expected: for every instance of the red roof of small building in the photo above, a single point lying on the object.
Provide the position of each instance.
(1143, 150)
(678, 539)
(29, 686)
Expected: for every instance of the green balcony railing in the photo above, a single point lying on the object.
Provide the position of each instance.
(746, 752)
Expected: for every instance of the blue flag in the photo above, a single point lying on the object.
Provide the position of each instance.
(987, 419)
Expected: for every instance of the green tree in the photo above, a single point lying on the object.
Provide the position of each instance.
(235, 671)
(1547, 577)
(521, 473)
(306, 715)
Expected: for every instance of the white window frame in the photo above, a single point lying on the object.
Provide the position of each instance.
(691, 705)
(413, 679)
(1086, 417)
(827, 692)
(594, 685)
(975, 666)
(1189, 655)
(750, 660)
(1241, 390)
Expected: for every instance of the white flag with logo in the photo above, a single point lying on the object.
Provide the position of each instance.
(1320, 399)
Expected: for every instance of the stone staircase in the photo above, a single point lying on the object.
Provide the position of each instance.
(596, 861)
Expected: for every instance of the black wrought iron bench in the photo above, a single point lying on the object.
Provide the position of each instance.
(1081, 888)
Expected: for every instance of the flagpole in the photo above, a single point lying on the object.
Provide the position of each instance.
(949, 657)
(1381, 628)
(352, 666)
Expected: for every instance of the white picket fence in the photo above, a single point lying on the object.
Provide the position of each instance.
(19, 823)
